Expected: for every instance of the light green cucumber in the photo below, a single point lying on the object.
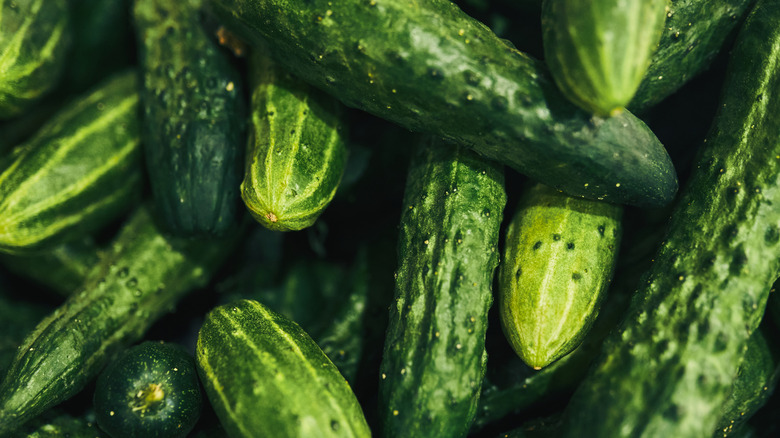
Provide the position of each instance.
(560, 253)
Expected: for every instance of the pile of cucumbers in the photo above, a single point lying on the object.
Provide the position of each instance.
(395, 218)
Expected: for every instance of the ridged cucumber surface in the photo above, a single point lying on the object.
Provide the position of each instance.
(265, 377)
(669, 367)
(429, 67)
(434, 355)
(82, 169)
(297, 148)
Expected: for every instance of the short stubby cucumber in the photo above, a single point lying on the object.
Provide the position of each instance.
(35, 38)
(140, 278)
(668, 368)
(429, 67)
(82, 169)
(193, 118)
(598, 50)
(434, 355)
(559, 256)
(297, 148)
(265, 377)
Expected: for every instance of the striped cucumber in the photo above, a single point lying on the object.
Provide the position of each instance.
(35, 36)
(297, 148)
(81, 170)
(143, 276)
(560, 253)
(429, 67)
(668, 368)
(434, 356)
(265, 376)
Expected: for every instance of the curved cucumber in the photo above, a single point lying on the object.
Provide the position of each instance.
(429, 67)
(560, 254)
(669, 367)
(297, 148)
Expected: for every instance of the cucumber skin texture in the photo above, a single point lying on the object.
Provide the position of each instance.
(297, 149)
(559, 257)
(668, 368)
(193, 122)
(140, 279)
(265, 376)
(164, 364)
(34, 44)
(407, 62)
(81, 170)
(434, 356)
(694, 32)
(54, 424)
(598, 50)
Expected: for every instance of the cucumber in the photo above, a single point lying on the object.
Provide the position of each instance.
(57, 424)
(19, 318)
(193, 119)
(34, 43)
(150, 390)
(265, 376)
(140, 279)
(559, 256)
(434, 355)
(694, 32)
(429, 67)
(668, 368)
(598, 50)
(81, 170)
(297, 148)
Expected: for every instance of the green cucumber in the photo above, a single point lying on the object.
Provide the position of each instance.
(193, 120)
(140, 279)
(265, 376)
(559, 256)
(297, 148)
(429, 67)
(150, 390)
(56, 424)
(35, 36)
(694, 32)
(434, 356)
(598, 50)
(668, 368)
(82, 169)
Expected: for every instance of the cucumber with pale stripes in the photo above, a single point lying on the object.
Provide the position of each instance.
(265, 377)
(297, 148)
(81, 170)
(35, 36)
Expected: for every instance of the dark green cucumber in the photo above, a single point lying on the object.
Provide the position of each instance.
(297, 148)
(193, 120)
(668, 369)
(694, 32)
(429, 67)
(140, 279)
(559, 256)
(150, 390)
(81, 170)
(434, 357)
(56, 424)
(265, 376)
(35, 36)
(598, 50)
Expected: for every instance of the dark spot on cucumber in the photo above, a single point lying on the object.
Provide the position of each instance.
(334, 425)
(602, 228)
(471, 77)
(739, 261)
(499, 103)
(703, 330)
(672, 413)
(570, 245)
(537, 245)
(518, 273)
(576, 276)
(731, 194)
(730, 233)
(556, 237)
(721, 342)
(707, 262)
(436, 74)
(771, 235)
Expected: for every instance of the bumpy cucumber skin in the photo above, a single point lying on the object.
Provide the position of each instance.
(35, 36)
(429, 67)
(694, 32)
(81, 170)
(668, 368)
(193, 120)
(434, 355)
(598, 50)
(560, 253)
(265, 376)
(297, 148)
(140, 279)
